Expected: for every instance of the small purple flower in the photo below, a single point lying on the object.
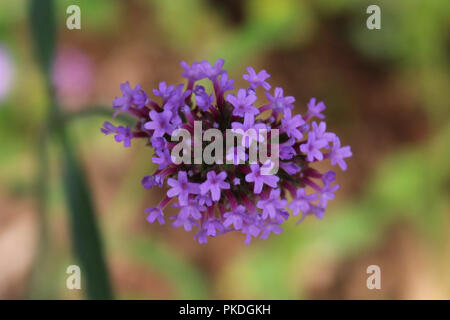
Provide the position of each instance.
(108, 128)
(164, 91)
(212, 72)
(163, 158)
(312, 147)
(257, 79)
(204, 101)
(250, 230)
(251, 135)
(126, 100)
(302, 202)
(225, 84)
(270, 227)
(260, 179)
(130, 97)
(201, 236)
(160, 123)
(122, 134)
(318, 211)
(282, 215)
(287, 152)
(189, 209)
(177, 99)
(243, 103)
(290, 167)
(155, 213)
(326, 194)
(338, 154)
(182, 187)
(320, 131)
(236, 181)
(204, 199)
(193, 73)
(214, 183)
(329, 177)
(212, 226)
(314, 110)
(150, 181)
(272, 205)
(279, 102)
(291, 124)
(158, 142)
(199, 90)
(140, 99)
(187, 223)
(234, 217)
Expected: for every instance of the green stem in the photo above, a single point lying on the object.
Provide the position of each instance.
(83, 224)
(41, 191)
(126, 119)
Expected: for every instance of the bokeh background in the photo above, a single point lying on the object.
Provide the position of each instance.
(70, 195)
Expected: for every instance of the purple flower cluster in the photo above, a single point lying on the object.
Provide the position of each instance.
(218, 198)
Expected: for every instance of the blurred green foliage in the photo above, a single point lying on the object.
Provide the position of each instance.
(410, 184)
(414, 36)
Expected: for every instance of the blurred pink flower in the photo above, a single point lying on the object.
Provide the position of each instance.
(6, 73)
(73, 77)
